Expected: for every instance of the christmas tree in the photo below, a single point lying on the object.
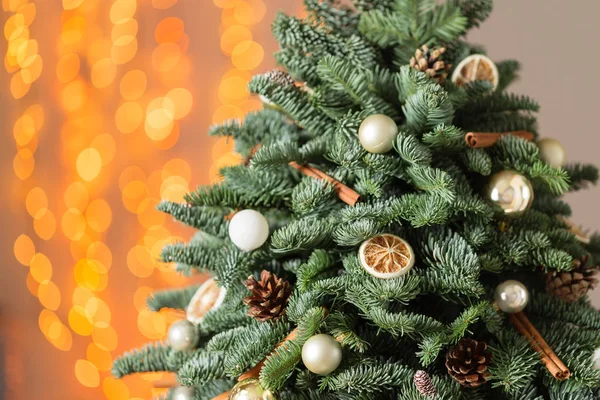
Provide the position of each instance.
(396, 232)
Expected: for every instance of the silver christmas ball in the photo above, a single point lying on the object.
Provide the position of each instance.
(321, 354)
(511, 191)
(377, 133)
(248, 230)
(183, 335)
(183, 393)
(552, 152)
(511, 296)
(250, 389)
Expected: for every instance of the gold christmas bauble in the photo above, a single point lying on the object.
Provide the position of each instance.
(552, 152)
(250, 389)
(511, 191)
(377, 133)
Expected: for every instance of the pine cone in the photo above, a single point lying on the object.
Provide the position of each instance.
(468, 362)
(572, 285)
(424, 384)
(268, 297)
(280, 77)
(429, 61)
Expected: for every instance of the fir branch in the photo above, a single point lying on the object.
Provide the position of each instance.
(204, 366)
(301, 235)
(150, 358)
(177, 299)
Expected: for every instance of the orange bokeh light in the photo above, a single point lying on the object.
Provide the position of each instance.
(74, 95)
(165, 57)
(247, 55)
(49, 295)
(99, 357)
(89, 164)
(40, 268)
(76, 196)
(36, 201)
(44, 224)
(169, 30)
(129, 117)
(67, 67)
(98, 215)
(91, 274)
(233, 36)
(73, 30)
(133, 84)
(86, 373)
(126, 27)
(103, 73)
(105, 338)
(106, 146)
(139, 262)
(122, 10)
(73, 224)
(124, 49)
(115, 389)
(99, 251)
(24, 249)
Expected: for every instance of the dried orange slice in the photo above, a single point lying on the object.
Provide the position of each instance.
(386, 256)
(208, 297)
(476, 68)
(579, 233)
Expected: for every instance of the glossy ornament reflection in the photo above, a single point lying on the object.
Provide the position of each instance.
(511, 296)
(250, 389)
(511, 191)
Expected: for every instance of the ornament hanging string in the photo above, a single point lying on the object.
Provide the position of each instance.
(479, 140)
(551, 361)
(346, 194)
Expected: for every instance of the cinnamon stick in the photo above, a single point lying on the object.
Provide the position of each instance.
(165, 383)
(346, 194)
(222, 396)
(549, 358)
(488, 139)
(255, 371)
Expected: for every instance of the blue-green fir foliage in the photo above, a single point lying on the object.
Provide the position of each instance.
(339, 65)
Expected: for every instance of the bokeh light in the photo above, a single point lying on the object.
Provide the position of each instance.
(24, 249)
(86, 373)
(133, 84)
(98, 215)
(40, 268)
(89, 163)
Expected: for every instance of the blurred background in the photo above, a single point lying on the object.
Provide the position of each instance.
(105, 108)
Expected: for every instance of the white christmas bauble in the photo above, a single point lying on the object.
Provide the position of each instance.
(511, 296)
(321, 354)
(552, 152)
(248, 230)
(183, 335)
(377, 133)
(183, 393)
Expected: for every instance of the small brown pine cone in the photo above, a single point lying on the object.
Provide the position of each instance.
(424, 384)
(572, 285)
(268, 297)
(280, 77)
(430, 61)
(468, 362)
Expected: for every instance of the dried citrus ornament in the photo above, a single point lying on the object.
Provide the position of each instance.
(476, 68)
(386, 256)
(209, 296)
